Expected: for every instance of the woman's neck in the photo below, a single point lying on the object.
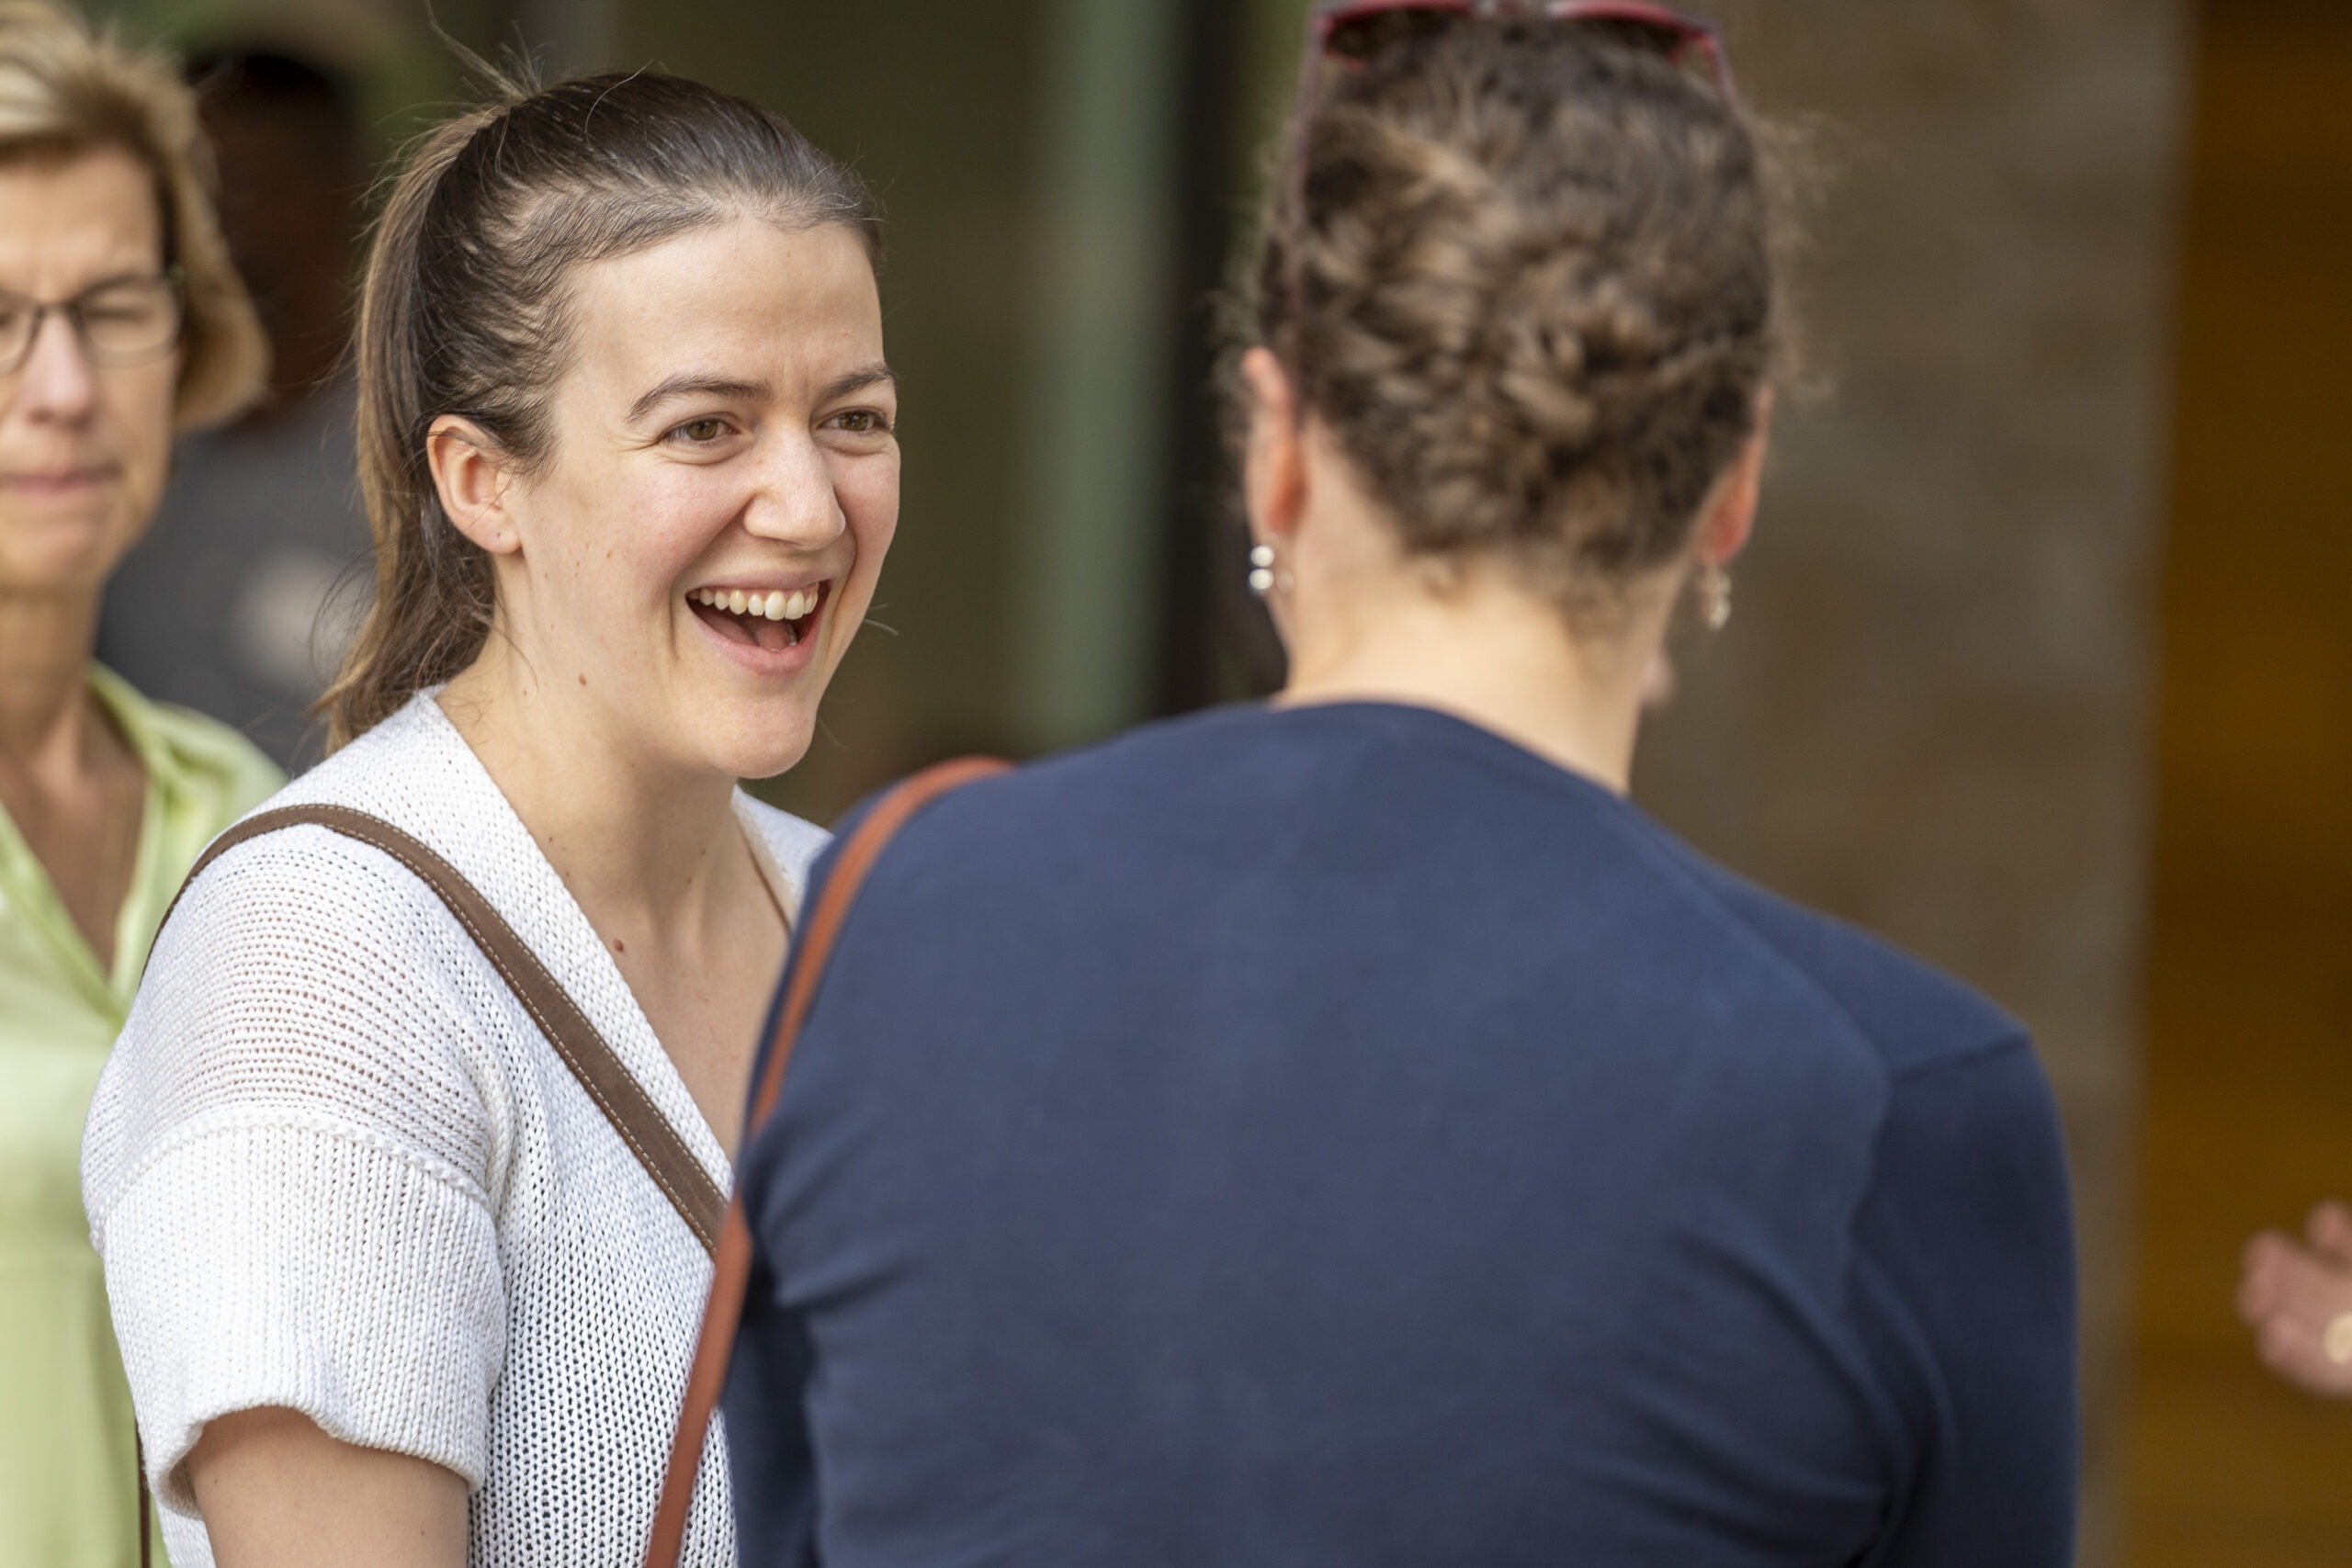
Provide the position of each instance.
(637, 843)
(1484, 648)
(46, 641)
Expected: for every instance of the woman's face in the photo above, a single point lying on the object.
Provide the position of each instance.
(702, 543)
(84, 448)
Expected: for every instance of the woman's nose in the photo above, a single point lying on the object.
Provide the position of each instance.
(57, 380)
(794, 502)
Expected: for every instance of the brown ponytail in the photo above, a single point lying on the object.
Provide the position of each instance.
(465, 311)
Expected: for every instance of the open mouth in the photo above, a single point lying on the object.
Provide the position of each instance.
(770, 618)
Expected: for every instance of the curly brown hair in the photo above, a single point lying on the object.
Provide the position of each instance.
(1534, 296)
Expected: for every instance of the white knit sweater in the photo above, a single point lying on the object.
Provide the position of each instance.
(334, 1166)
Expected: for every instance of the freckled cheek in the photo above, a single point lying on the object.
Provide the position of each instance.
(869, 499)
(645, 537)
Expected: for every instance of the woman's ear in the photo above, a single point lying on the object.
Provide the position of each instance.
(1274, 468)
(1730, 515)
(470, 473)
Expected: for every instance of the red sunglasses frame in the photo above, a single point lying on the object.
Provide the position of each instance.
(1324, 21)
(1691, 32)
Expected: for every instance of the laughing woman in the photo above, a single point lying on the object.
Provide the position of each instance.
(405, 1230)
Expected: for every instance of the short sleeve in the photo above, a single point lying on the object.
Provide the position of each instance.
(1966, 1293)
(291, 1161)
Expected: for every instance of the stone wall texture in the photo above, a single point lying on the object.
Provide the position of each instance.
(1931, 711)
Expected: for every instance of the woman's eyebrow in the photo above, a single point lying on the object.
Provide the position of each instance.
(128, 275)
(864, 376)
(692, 385)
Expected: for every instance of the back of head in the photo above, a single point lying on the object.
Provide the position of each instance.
(310, 105)
(465, 310)
(269, 81)
(294, 172)
(64, 91)
(1525, 279)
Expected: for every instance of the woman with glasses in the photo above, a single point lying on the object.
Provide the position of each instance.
(1347, 1131)
(121, 323)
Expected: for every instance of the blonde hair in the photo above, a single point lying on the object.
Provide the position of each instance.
(65, 90)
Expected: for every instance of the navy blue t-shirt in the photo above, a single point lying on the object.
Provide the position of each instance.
(1335, 1135)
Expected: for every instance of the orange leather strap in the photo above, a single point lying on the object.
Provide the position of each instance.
(733, 1272)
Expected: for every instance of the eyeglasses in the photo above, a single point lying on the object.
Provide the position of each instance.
(122, 321)
(1348, 32)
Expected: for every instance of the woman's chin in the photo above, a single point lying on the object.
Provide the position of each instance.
(62, 554)
(760, 746)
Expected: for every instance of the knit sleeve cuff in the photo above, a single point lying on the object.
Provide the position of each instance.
(312, 1267)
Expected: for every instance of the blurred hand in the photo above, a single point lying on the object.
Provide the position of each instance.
(2297, 1297)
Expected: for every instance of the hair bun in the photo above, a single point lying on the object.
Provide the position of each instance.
(1534, 295)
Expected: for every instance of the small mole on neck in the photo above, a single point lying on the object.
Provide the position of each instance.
(619, 946)
(583, 679)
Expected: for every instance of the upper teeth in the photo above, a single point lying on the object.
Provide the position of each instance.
(776, 605)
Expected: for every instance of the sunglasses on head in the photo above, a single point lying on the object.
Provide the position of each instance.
(1352, 30)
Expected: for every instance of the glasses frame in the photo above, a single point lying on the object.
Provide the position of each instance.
(1690, 34)
(172, 277)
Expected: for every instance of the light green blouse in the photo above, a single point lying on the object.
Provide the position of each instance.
(66, 1473)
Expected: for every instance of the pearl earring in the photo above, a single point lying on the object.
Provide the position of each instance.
(1261, 570)
(1714, 596)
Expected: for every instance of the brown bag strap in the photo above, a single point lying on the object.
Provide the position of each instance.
(648, 1134)
(639, 1122)
(732, 1273)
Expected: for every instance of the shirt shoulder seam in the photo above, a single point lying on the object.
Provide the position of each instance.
(234, 1120)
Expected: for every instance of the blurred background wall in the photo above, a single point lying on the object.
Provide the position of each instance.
(1930, 714)
(2078, 283)
(2249, 1041)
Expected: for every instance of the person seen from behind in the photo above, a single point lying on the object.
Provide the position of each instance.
(1346, 1130)
(121, 324)
(241, 600)
(407, 1167)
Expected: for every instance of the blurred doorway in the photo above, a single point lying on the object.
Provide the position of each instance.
(2249, 1064)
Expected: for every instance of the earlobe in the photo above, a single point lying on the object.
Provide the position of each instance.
(1274, 478)
(470, 474)
(1730, 518)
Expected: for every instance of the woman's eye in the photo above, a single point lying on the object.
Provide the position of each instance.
(701, 432)
(860, 421)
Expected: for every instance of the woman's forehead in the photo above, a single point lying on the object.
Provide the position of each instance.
(745, 302)
(66, 220)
